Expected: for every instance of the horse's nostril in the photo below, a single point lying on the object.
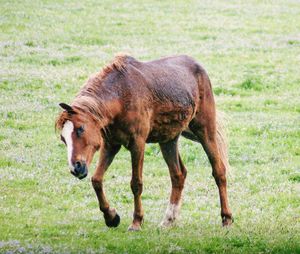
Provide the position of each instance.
(77, 167)
(77, 164)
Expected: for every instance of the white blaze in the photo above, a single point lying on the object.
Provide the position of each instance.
(67, 134)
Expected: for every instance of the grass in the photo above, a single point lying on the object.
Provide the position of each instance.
(251, 51)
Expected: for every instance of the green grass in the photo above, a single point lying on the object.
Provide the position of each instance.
(251, 51)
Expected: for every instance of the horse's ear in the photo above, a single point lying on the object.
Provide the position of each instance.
(67, 107)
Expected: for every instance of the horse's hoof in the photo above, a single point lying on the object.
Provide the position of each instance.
(167, 223)
(227, 222)
(114, 222)
(134, 227)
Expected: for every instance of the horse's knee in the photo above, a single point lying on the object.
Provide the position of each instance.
(97, 182)
(220, 178)
(96, 179)
(136, 187)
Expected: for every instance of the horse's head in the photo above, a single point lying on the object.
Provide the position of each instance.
(81, 135)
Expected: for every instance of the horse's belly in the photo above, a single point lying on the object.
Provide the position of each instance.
(167, 125)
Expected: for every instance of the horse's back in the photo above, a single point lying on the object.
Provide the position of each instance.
(171, 79)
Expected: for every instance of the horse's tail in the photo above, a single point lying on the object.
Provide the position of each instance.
(222, 139)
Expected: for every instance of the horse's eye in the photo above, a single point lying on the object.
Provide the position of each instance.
(62, 139)
(79, 131)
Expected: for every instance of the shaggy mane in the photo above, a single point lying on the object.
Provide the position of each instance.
(90, 97)
(119, 63)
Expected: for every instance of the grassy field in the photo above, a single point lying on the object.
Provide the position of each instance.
(251, 50)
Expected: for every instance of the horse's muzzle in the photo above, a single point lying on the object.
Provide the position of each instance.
(80, 170)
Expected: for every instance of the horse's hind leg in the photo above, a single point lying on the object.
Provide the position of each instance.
(178, 175)
(204, 127)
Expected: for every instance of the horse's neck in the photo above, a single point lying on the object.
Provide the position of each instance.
(100, 101)
(111, 110)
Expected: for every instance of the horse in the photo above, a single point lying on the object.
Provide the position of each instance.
(130, 103)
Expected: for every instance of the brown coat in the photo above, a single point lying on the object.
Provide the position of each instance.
(131, 103)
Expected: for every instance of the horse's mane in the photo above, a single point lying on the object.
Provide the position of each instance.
(90, 98)
(119, 63)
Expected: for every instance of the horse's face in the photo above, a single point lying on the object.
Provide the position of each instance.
(82, 138)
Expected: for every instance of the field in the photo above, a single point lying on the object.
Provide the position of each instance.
(251, 50)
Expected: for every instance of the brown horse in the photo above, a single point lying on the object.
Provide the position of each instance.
(131, 103)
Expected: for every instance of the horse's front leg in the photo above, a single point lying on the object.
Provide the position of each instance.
(137, 158)
(107, 154)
